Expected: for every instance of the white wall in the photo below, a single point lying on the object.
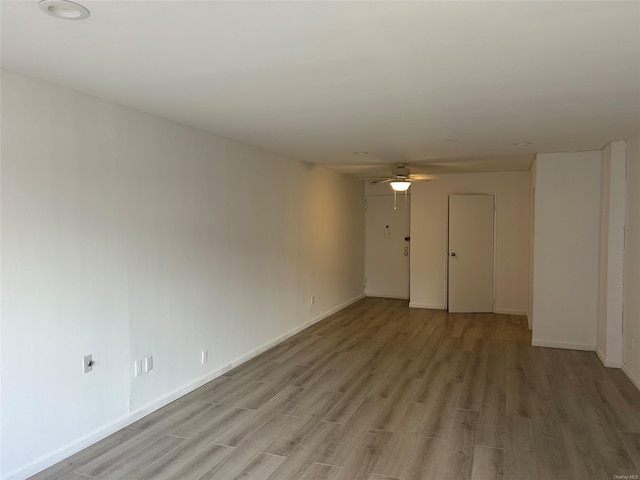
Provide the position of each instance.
(123, 235)
(601, 339)
(532, 217)
(566, 249)
(631, 338)
(611, 281)
(429, 237)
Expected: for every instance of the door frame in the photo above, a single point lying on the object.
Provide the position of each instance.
(495, 250)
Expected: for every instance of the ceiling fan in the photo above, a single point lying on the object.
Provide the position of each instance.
(401, 178)
(400, 181)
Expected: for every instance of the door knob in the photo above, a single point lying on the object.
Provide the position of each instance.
(453, 254)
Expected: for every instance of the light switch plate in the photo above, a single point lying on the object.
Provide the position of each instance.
(148, 363)
(137, 368)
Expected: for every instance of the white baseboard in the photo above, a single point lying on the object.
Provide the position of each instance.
(601, 356)
(632, 376)
(104, 431)
(427, 305)
(69, 449)
(322, 316)
(507, 311)
(608, 362)
(380, 295)
(566, 345)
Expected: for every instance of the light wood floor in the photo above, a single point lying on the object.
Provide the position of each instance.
(379, 392)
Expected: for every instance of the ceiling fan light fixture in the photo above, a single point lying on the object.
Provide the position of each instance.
(400, 186)
(64, 9)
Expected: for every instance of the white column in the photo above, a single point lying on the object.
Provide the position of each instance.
(611, 288)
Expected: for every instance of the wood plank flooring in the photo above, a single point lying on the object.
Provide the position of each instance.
(383, 392)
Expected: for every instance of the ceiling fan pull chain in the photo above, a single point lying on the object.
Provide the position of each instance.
(395, 200)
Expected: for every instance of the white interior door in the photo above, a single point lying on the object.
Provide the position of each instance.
(386, 261)
(471, 252)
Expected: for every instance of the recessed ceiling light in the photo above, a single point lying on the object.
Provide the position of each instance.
(64, 9)
(361, 153)
(521, 144)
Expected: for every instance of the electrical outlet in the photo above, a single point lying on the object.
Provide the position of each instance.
(204, 356)
(137, 368)
(87, 363)
(148, 363)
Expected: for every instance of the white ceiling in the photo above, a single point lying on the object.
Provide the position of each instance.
(447, 83)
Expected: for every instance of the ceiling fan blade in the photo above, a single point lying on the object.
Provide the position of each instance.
(420, 177)
(381, 180)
